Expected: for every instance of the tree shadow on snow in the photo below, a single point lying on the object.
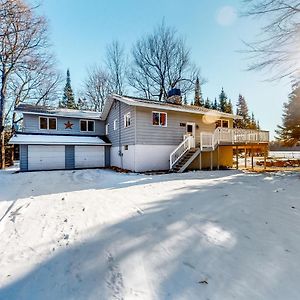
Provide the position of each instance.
(189, 246)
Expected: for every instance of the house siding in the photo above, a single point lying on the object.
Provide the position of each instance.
(23, 158)
(121, 136)
(70, 157)
(148, 134)
(31, 124)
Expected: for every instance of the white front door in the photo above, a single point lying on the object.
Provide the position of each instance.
(89, 156)
(191, 131)
(43, 157)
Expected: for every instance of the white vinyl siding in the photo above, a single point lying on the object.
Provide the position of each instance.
(89, 156)
(42, 157)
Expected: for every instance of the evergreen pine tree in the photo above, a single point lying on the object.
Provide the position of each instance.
(252, 124)
(228, 107)
(289, 131)
(68, 100)
(257, 125)
(198, 100)
(242, 110)
(207, 103)
(184, 100)
(215, 104)
(222, 101)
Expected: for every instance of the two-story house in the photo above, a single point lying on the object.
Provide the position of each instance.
(134, 134)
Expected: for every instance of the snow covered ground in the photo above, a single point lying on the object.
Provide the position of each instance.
(97, 234)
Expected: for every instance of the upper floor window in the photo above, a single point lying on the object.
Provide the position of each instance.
(47, 123)
(115, 124)
(127, 120)
(87, 125)
(159, 119)
(107, 128)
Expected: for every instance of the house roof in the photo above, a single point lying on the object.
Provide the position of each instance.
(63, 112)
(39, 139)
(141, 102)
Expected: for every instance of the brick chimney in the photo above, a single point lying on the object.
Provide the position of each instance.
(174, 96)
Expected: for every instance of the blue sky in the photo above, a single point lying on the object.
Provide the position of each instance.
(80, 31)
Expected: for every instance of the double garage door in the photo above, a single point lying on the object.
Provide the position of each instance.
(46, 157)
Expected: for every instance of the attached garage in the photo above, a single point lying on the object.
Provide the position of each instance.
(89, 156)
(46, 157)
(53, 152)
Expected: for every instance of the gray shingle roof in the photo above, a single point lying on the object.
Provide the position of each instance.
(46, 110)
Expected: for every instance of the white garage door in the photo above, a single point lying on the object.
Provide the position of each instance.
(46, 157)
(89, 156)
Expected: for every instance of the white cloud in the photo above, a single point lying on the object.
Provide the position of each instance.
(226, 15)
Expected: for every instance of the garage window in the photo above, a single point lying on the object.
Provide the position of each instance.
(87, 126)
(48, 123)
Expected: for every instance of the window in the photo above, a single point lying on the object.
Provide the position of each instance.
(127, 120)
(107, 128)
(48, 123)
(159, 119)
(222, 123)
(115, 124)
(218, 123)
(225, 124)
(87, 126)
(125, 147)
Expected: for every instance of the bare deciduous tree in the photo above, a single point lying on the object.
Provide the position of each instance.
(23, 41)
(161, 61)
(278, 48)
(96, 88)
(116, 65)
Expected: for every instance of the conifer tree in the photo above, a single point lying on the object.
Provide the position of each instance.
(184, 100)
(215, 104)
(289, 131)
(242, 110)
(198, 100)
(68, 100)
(207, 103)
(222, 101)
(228, 107)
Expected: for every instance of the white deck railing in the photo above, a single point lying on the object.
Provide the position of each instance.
(187, 144)
(232, 136)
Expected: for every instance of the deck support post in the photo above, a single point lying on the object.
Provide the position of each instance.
(237, 157)
(200, 161)
(245, 158)
(211, 160)
(218, 158)
(265, 157)
(252, 161)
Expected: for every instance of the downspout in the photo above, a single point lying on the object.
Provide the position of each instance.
(120, 135)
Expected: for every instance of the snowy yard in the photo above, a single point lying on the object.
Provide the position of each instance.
(97, 234)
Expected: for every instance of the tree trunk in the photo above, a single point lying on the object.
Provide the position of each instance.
(2, 119)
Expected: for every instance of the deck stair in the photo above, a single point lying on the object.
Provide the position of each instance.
(186, 160)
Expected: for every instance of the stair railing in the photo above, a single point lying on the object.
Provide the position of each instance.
(186, 145)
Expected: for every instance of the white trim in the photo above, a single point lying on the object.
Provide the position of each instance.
(47, 123)
(51, 139)
(107, 129)
(115, 124)
(87, 127)
(159, 112)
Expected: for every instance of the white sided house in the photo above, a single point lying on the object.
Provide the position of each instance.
(131, 133)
